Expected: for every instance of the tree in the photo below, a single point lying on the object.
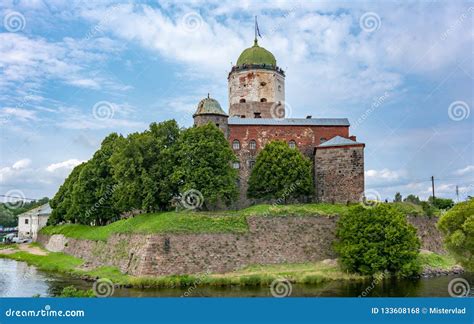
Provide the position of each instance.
(280, 172)
(143, 166)
(7, 218)
(398, 197)
(377, 239)
(441, 203)
(457, 225)
(205, 164)
(412, 199)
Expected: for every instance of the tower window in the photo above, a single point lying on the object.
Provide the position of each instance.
(263, 84)
(236, 165)
(217, 125)
(257, 115)
(236, 145)
(251, 164)
(263, 100)
(322, 140)
(26, 221)
(252, 145)
(292, 144)
(279, 88)
(242, 100)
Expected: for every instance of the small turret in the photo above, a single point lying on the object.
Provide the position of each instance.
(209, 111)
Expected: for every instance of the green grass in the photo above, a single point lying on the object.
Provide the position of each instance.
(433, 260)
(232, 221)
(58, 262)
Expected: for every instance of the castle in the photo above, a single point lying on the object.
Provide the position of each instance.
(257, 117)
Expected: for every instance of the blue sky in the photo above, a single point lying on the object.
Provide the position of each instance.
(402, 72)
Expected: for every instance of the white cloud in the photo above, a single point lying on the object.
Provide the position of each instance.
(468, 169)
(384, 174)
(18, 113)
(68, 165)
(21, 164)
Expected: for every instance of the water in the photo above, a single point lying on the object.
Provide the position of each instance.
(17, 279)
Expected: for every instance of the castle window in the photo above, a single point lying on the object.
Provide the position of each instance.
(279, 88)
(242, 100)
(292, 144)
(236, 165)
(251, 164)
(26, 220)
(217, 125)
(236, 145)
(263, 100)
(322, 140)
(263, 84)
(252, 145)
(257, 115)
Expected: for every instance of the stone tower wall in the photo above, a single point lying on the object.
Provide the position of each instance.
(218, 120)
(339, 174)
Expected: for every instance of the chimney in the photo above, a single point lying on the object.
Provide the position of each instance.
(309, 117)
(353, 138)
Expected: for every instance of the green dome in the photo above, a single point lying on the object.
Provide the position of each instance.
(256, 55)
(209, 106)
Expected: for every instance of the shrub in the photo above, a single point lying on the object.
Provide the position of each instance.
(71, 291)
(377, 239)
(458, 227)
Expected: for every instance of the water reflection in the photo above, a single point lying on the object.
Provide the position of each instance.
(17, 279)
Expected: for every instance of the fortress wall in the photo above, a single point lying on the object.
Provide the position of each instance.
(270, 240)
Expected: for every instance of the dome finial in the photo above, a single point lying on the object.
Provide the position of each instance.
(257, 32)
(208, 95)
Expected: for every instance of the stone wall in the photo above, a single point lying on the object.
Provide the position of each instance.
(339, 173)
(270, 240)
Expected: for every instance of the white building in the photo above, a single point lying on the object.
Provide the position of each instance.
(30, 222)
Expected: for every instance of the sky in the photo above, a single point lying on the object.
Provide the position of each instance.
(72, 72)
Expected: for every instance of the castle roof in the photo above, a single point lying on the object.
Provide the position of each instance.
(339, 141)
(256, 55)
(290, 121)
(209, 106)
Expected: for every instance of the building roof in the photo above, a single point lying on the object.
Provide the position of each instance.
(256, 55)
(43, 210)
(209, 106)
(290, 121)
(338, 141)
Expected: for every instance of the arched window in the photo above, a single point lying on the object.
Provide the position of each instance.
(292, 144)
(236, 145)
(251, 164)
(263, 100)
(236, 165)
(242, 100)
(322, 140)
(252, 145)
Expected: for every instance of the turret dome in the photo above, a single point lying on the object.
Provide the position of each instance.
(209, 106)
(256, 55)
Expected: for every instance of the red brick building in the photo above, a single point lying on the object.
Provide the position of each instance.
(257, 117)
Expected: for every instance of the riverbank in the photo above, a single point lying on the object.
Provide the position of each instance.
(254, 275)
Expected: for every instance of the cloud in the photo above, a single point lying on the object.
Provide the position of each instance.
(17, 113)
(468, 169)
(384, 174)
(68, 165)
(21, 164)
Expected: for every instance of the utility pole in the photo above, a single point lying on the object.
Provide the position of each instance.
(432, 187)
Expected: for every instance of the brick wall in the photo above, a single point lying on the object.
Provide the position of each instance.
(270, 240)
(339, 174)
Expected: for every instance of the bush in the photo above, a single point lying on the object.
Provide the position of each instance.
(457, 226)
(377, 239)
(71, 291)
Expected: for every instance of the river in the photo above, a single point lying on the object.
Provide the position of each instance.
(17, 279)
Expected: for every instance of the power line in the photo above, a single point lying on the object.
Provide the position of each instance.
(18, 197)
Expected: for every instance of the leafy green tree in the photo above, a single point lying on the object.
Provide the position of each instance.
(7, 218)
(280, 172)
(205, 164)
(62, 200)
(412, 199)
(143, 166)
(457, 226)
(398, 197)
(441, 203)
(377, 239)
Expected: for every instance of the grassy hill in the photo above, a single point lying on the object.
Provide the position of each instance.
(204, 222)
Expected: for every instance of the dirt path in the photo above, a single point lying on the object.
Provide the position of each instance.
(25, 248)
